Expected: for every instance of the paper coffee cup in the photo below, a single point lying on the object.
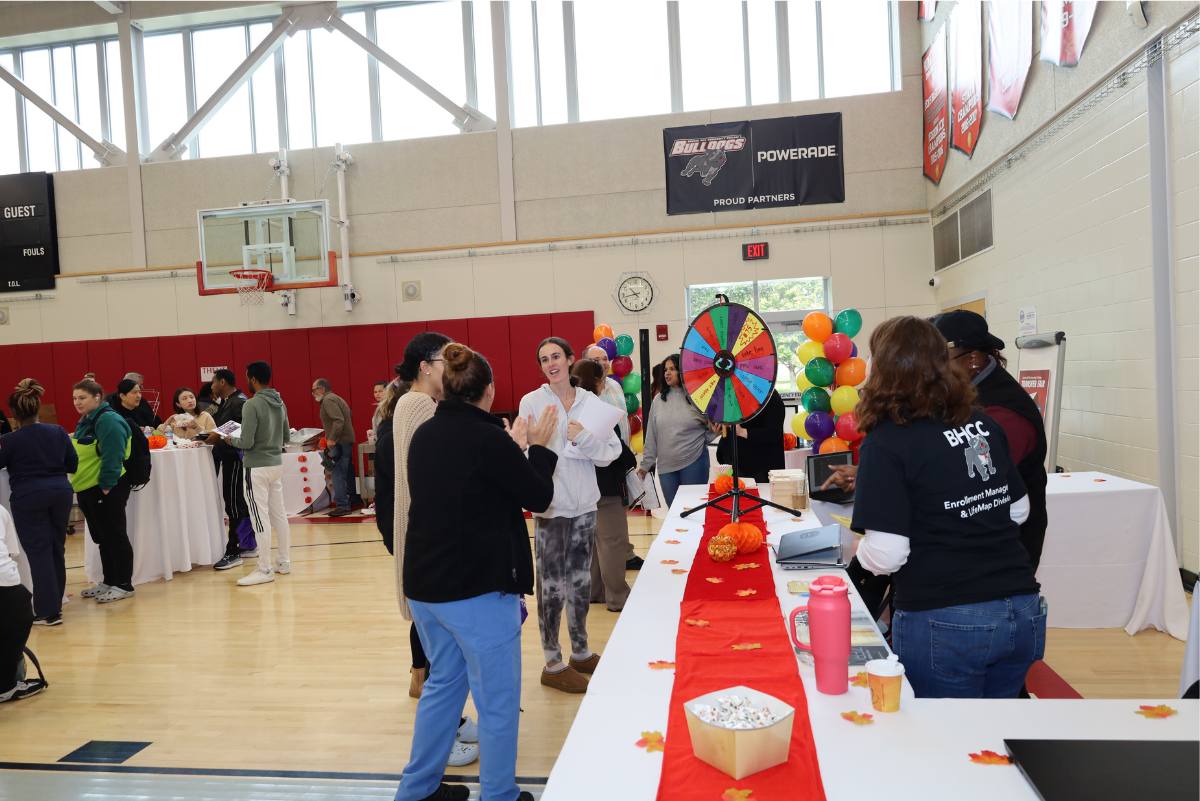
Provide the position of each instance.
(884, 678)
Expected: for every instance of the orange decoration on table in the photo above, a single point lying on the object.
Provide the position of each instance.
(747, 566)
(746, 593)
(734, 794)
(746, 536)
(859, 679)
(859, 718)
(990, 758)
(746, 646)
(715, 580)
(1156, 712)
(156, 441)
(697, 622)
(652, 741)
(669, 562)
(671, 542)
(722, 548)
(724, 484)
(661, 664)
(679, 571)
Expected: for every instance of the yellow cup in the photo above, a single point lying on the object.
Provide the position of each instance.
(885, 678)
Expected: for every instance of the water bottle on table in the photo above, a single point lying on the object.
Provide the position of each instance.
(829, 633)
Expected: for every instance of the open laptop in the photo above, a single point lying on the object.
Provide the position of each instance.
(819, 467)
(813, 548)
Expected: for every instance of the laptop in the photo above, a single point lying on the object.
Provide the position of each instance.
(1109, 770)
(813, 548)
(819, 467)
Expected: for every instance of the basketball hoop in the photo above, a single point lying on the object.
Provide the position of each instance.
(252, 285)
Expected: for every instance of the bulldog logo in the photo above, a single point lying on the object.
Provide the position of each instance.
(707, 164)
(979, 458)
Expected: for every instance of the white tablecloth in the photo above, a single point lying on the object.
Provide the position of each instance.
(175, 521)
(917, 753)
(1109, 560)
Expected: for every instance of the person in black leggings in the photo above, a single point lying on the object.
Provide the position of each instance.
(16, 617)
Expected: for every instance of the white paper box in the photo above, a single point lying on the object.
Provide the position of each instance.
(741, 752)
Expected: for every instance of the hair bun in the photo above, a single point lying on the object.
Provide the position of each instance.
(30, 385)
(457, 356)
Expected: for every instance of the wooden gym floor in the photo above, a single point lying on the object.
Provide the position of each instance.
(311, 673)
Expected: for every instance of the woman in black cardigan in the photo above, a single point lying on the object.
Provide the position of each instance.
(467, 561)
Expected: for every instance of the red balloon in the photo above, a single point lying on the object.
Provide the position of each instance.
(834, 445)
(622, 366)
(847, 428)
(635, 424)
(838, 348)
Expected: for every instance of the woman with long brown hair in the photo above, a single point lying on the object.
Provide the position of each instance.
(941, 505)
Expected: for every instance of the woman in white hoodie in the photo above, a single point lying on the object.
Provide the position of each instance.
(563, 533)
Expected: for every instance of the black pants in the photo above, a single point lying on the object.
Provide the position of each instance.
(234, 494)
(419, 659)
(41, 519)
(16, 618)
(105, 516)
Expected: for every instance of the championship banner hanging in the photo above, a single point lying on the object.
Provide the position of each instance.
(1065, 27)
(28, 232)
(966, 93)
(1010, 51)
(933, 95)
(762, 164)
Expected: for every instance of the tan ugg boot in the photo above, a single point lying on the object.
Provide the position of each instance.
(417, 682)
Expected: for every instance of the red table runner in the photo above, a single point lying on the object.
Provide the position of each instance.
(720, 623)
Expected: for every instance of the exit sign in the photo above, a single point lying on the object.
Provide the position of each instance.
(754, 250)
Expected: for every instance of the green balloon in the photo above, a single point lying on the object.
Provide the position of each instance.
(815, 399)
(624, 345)
(632, 403)
(632, 383)
(819, 371)
(848, 322)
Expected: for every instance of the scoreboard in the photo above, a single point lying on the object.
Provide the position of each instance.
(28, 232)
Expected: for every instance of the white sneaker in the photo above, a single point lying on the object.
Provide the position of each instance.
(99, 588)
(256, 577)
(283, 567)
(463, 754)
(468, 732)
(113, 594)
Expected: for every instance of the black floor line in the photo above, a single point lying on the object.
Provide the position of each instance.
(61, 767)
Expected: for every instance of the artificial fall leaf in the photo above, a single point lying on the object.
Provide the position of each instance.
(796, 519)
(652, 741)
(715, 580)
(698, 623)
(669, 562)
(859, 718)
(1160, 711)
(990, 758)
(859, 679)
(734, 794)
(661, 664)
(747, 566)
(1099, 480)
(671, 542)
(746, 646)
(746, 593)
(679, 571)
(682, 530)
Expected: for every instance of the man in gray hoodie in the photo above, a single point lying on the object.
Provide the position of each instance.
(263, 435)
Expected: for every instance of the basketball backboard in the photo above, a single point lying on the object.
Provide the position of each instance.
(289, 239)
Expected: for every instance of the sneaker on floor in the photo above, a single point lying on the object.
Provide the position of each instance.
(468, 731)
(568, 680)
(248, 553)
(99, 588)
(53, 620)
(23, 689)
(339, 512)
(283, 567)
(227, 561)
(634, 563)
(449, 792)
(256, 577)
(587, 666)
(463, 754)
(113, 594)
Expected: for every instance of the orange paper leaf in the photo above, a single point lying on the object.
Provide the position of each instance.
(990, 758)
(734, 794)
(747, 566)
(697, 622)
(1099, 480)
(661, 664)
(652, 741)
(669, 562)
(1160, 711)
(746, 593)
(682, 530)
(796, 519)
(859, 718)
(679, 571)
(671, 542)
(715, 580)
(859, 679)
(746, 646)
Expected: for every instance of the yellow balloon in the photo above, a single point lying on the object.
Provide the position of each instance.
(844, 400)
(809, 351)
(798, 424)
(802, 382)
(636, 442)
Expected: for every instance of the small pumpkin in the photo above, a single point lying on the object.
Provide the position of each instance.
(156, 441)
(724, 483)
(722, 548)
(790, 442)
(746, 536)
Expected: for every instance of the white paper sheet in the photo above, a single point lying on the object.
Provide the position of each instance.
(597, 417)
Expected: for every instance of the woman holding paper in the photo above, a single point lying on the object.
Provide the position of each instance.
(677, 436)
(564, 531)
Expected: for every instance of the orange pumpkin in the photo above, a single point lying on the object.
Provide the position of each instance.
(724, 483)
(790, 442)
(156, 441)
(722, 548)
(746, 536)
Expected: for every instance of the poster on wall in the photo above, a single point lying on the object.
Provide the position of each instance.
(1010, 51)
(1065, 27)
(966, 63)
(28, 232)
(761, 164)
(1037, 384)
(933, 95)
(926, 10)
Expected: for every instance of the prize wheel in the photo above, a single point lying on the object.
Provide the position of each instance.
(728, 363)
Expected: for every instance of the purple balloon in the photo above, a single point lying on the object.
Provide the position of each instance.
(609, 345)
(816, 445)
(819, 425)
(853, 350)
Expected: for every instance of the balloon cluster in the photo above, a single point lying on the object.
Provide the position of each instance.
(828, 382)
(620, 358)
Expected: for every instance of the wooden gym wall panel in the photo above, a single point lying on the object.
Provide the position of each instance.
(37, 361)
(489, 336)
(215, 350)
(524, 333)
(290, 368)
(249, 346)
(10, 373)
(457, 330)
(575, 327)
(177, 366)
(329, 358)
(398, 336)
(70, 363)
(106, 360)
(368, 346)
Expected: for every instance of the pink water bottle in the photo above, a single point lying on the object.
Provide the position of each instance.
(829, 626)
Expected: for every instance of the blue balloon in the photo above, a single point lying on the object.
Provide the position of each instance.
(609, 345)
(819, 425)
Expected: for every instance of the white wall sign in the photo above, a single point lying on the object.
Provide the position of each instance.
(1026, 321)
(206, 373)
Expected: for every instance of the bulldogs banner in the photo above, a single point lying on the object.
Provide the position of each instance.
(787, 161)
(966, 59)
(1010, 50)
(937, 107)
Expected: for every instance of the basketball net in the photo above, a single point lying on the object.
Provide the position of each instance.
(252, 285)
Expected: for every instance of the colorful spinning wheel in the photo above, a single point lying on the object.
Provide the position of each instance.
(728, 363)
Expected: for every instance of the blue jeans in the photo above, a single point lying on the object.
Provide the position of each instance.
(344, 477)
(978, 650)
(694, 473)
(473, 644)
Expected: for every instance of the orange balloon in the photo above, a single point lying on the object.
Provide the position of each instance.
(818, 326)
(834, 445)
(602, 331)
(851, 372)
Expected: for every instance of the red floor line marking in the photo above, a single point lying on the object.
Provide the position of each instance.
(1043, 682)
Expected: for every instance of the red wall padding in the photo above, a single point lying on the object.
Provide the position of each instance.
(352, 357)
